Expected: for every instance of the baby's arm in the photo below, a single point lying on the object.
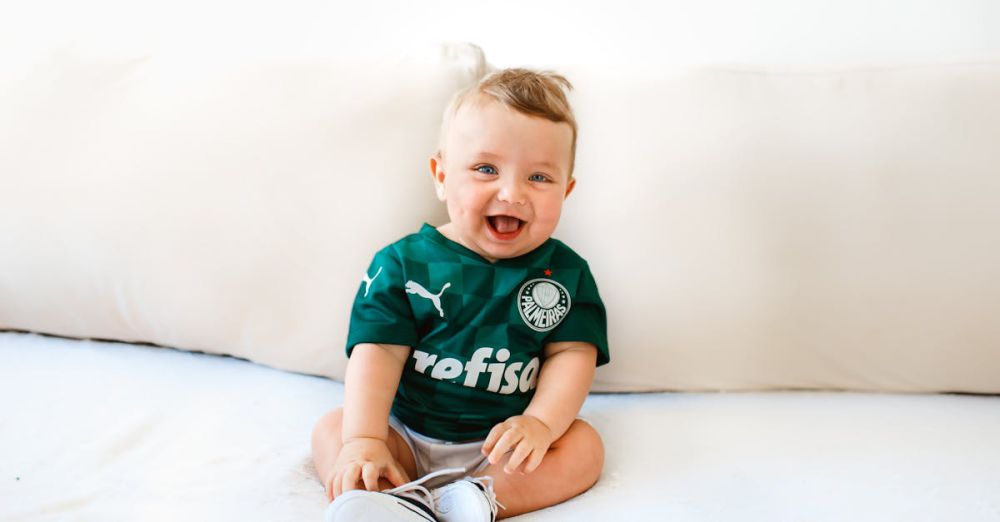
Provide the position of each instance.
(373, 374)
(563, 383)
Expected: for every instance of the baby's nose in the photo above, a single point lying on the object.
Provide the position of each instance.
(511, 192)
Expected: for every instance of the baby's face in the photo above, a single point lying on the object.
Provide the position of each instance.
(504, 176)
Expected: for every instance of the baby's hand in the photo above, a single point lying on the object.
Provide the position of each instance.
(363, 459)
(526, 435)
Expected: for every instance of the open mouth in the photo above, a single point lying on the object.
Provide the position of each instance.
(504, 228)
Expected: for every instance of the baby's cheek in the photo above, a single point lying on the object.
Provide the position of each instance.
(457, 211)
(547, 222)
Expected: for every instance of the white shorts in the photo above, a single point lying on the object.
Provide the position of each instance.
(433, 454)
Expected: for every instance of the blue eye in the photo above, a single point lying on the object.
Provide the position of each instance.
(538, 177)
(486, 169)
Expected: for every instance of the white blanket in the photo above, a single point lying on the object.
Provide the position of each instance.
(107, 431)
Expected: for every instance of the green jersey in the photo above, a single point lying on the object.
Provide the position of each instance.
(478, 329)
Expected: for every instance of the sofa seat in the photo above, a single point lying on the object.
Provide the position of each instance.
(96, 430)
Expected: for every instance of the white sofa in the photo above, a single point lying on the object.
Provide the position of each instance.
(818, 238)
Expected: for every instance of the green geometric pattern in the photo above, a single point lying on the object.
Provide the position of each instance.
(479, 363)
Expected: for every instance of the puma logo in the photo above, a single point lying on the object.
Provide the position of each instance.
(368, 280)
(415, 288)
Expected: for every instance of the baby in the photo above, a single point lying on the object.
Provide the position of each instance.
(472, 345)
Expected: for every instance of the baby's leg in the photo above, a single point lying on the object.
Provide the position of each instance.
(571, 466)
(326, 446)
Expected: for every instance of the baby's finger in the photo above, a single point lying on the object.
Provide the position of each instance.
(335, 484)
(396, 475)
(506, 442)
(491, 439)
(328, 487)
(350, 478)
(520, 453)
(499, 448)
(535, 460)
(370, 475)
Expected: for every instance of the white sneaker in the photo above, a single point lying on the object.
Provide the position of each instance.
(373, 506)
(409, 502)
(467, 500)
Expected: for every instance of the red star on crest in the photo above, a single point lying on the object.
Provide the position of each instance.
(548, 272)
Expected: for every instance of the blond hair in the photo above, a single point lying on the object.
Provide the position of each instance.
(534, 93)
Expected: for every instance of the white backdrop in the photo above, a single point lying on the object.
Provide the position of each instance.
(534, 32)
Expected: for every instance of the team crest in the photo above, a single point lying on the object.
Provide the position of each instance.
(543, 304)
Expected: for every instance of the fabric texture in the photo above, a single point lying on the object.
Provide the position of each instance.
(478, 329)
(210, 201)
(824, 227)
(433, 455)
(752, 227)
(166, 434)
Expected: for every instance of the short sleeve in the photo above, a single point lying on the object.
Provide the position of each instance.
(381, 312)
(587, 320)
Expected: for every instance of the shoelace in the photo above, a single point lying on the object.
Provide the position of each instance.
(414, 490)
(486, 482)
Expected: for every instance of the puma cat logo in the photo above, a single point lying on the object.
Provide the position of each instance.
(368, 280)
(415, 288)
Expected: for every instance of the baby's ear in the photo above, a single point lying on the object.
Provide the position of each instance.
(569, 187)
(437, 172)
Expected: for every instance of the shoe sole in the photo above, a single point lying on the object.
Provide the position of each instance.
(359, 506)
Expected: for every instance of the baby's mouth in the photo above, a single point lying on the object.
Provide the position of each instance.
(504, 227)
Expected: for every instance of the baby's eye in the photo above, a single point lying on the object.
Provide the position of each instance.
(538, 177)
(486, 169)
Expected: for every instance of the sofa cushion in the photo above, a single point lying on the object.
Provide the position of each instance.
(759, 228)
(748, 228)
(211, 202)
